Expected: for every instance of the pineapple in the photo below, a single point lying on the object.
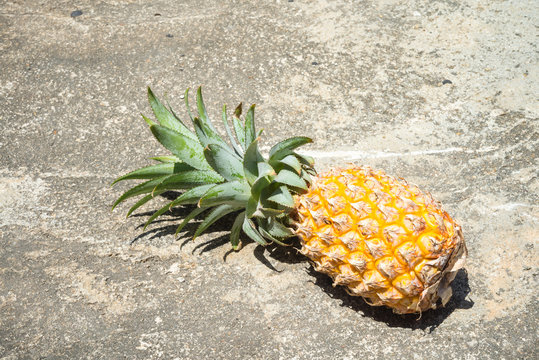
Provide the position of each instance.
(380, 237)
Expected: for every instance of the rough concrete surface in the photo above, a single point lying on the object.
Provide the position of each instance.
(443, 93)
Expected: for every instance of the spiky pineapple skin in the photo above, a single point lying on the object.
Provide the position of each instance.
(380, 237)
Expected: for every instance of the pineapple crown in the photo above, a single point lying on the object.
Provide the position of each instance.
(222, 178)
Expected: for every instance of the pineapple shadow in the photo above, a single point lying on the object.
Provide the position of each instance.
(171, 219)
(429, 320)
(168, 223)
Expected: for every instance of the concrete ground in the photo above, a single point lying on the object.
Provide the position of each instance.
(443, 93)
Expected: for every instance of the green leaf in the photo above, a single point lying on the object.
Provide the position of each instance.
(252, 206)
(305, 159)
(162, 179)
(290, 178)
(189, 197)
(189, 179)
(292, 162)
(233, 141)
(188, 150)
(265, 169)
(236, 229)
(172, 112)
(224, 161)
(260, 184)
(151, 186)
(282, 149)
(263, 212)
(203, 114)
(268, 236)
(250, 162)
(311, 171)
(250, 131)
(213, 216)
(234, 193)
(166, 159)
(250, 230)
(305, 176)
(276, 229)
(144, 188)
(143, 201)
(282, 197)
(206, 135)
(239, 129)
(264, 233)
(193, 214)
(154, 171)
(148, 121)
(166, 118)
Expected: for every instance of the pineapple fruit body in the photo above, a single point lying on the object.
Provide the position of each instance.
(381, 238)
(378, 236)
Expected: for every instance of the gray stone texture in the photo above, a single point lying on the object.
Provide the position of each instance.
(443, 93)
